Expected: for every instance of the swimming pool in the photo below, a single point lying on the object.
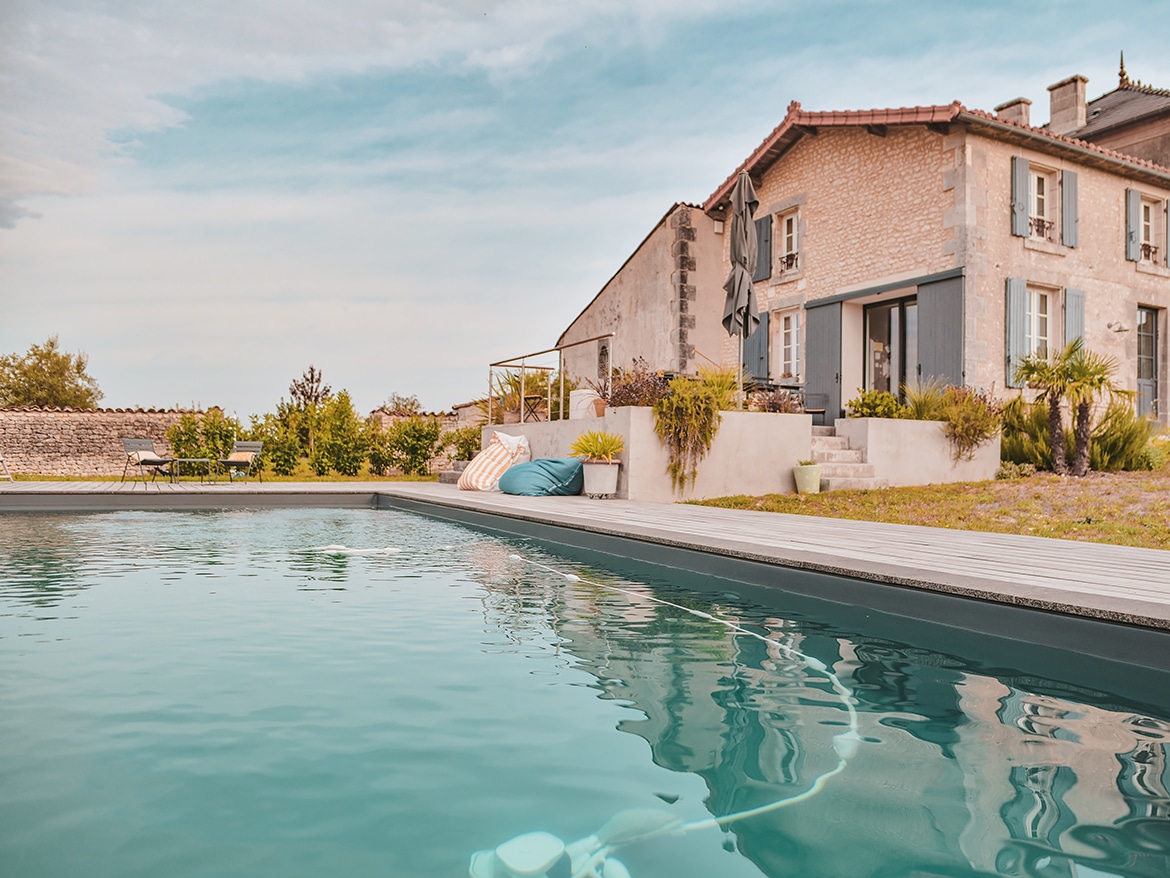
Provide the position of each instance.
(372, 692)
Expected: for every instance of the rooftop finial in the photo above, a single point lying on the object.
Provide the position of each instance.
(1122, 76)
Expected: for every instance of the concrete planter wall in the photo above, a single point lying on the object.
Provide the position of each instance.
(753, 452)
(916, 452)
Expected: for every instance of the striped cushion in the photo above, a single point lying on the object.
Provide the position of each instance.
(485, 469)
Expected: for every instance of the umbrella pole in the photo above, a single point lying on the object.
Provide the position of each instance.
(739, 375)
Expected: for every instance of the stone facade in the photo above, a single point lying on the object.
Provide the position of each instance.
(68, 442)
(657, 304)
(896, 206)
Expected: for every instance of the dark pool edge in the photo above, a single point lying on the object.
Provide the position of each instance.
(1045, 623)
(101, 501)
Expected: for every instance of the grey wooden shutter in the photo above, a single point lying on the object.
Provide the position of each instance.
(1074, 315)
(1133, 222)
(1020, 196)
(755, 351)
(1016, 318)
(763, 249)
(940, 331)
(1068, 208)
(822, 354)
(1166, 229)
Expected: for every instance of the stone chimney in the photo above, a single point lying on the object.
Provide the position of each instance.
(1018, 110)
(1067, 103)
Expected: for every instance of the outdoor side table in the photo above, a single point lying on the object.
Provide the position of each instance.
(178, 469)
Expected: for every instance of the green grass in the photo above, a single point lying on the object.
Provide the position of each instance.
(1130, 509)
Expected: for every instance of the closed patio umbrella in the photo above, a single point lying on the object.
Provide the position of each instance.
(740, 311)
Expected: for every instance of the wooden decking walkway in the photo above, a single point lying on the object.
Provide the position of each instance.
(1117, 583)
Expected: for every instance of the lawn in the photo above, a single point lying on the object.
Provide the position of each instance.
(1129, 509)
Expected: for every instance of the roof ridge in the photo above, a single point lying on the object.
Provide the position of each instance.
(1138, 85)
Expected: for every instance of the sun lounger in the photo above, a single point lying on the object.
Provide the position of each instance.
(7, 474)
(243, 458)
(141, 453)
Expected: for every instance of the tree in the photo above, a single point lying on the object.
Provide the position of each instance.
(47, 376)
(397, 404)
(1088, 376)
(308, 394)
(342, 444)
(1049, 375)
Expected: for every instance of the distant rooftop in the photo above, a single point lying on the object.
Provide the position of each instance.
(1130, 102)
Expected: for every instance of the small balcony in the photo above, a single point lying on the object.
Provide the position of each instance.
(1042, 228)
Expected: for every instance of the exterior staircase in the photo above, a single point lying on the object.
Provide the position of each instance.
(841, 466)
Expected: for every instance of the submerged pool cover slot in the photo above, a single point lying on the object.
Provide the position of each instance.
(543, 855)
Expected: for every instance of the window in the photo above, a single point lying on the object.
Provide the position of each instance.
(1148, 238)
(1041, 210)
(789, 256)
(790, 346)
(1036, 311)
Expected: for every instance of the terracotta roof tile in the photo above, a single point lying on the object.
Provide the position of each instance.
(790, 130)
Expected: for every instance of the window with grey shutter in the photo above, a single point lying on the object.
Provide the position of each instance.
(1016, 322)
(1074, 315)
(764, 249)
(1020, 197)
(1068, 208)
(1133, 223)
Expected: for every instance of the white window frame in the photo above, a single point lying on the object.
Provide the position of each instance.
(789, 324)
(788, 246)
(1150, 232)
(1038, 321)
(1042, 207)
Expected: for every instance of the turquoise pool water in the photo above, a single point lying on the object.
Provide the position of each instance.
(359, 692)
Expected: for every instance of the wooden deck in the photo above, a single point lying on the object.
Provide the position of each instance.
(1115, 583)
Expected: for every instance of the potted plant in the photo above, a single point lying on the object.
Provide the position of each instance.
(808, 477)
(599, 450)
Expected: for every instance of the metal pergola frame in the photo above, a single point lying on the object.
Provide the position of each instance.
(521, 361)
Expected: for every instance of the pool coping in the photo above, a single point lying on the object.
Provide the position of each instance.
(1117, 584)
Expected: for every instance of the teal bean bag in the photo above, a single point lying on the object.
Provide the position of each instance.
(544, 477)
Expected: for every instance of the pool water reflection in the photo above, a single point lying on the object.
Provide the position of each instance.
(236, 693)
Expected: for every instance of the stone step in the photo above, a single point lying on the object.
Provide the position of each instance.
(847, 470)
(826, 442)
(818, 430)
(834, 455)
(847, 484)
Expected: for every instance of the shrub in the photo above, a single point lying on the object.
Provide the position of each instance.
(465, 441)
(1025, 434)
(875, 404)
(411, 443)
(638, 385)
(925, 400)
(1120, 439)
(686, 421)
(377, 448)
(972, 419)
(722, 384)
(210, 436)
(780, 400)
(1011, 471)
(340, 441)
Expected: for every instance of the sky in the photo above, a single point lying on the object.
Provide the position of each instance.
(207, 198)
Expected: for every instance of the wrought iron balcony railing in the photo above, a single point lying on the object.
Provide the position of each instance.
(1042, 228)
(789, 261)
(1149, 252)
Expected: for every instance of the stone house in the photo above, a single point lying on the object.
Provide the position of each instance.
(657, 304)
(942, 241)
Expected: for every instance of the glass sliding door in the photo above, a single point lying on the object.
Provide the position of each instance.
(891, 345)
(1147, 362)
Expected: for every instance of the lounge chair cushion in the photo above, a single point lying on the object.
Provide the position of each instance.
(244, 457)
(485, 469)
(544, 477)
(148, 458)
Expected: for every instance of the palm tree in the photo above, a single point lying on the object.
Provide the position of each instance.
(1088, 376)
(1049, 375)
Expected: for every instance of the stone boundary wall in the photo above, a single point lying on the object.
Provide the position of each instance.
(69, 442)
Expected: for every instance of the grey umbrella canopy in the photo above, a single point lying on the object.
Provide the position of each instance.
(740, 311)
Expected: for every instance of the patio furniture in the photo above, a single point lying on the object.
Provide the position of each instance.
(815, 405)
(203, 463)
(242, 459)
(140, 453)
(7, 474)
